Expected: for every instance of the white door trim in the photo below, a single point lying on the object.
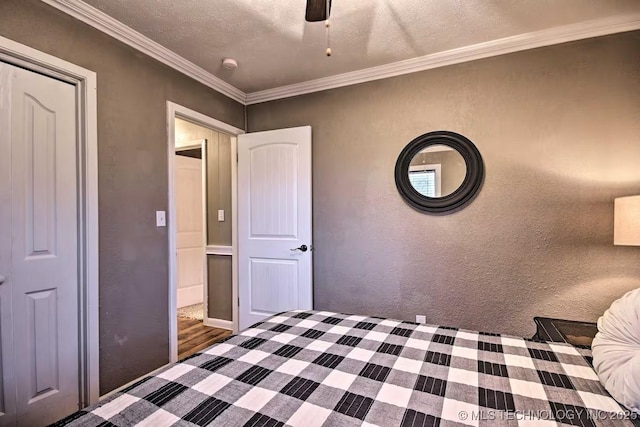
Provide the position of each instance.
(86, 89)
(196, 145)
(219, 250)
(218, 323)
(174, 110)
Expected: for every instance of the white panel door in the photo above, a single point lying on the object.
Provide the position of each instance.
(274, 223)
(40, 333)
(190, 244)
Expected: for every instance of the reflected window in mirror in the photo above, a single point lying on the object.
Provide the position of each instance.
(437, 171)
(426, 179)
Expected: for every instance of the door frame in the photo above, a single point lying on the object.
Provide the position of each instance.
(85, 82)
(178, 111)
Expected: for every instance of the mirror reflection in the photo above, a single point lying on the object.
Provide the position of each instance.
(437, 171)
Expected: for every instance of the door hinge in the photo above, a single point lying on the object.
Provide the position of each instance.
(238, 301)
(237, 157)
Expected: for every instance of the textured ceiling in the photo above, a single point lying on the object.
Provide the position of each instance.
(274, 46)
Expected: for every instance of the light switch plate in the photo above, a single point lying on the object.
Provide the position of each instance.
(221, 215)
(421, 319)
(161, 219)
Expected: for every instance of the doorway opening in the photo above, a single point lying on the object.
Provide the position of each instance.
(202, 236)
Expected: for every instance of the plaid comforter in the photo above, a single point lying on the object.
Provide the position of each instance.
(306, 368)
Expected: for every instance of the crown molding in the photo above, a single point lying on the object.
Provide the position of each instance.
(116, 29)
(551, 36)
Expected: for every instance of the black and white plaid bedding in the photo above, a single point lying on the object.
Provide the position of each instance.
(326, 369)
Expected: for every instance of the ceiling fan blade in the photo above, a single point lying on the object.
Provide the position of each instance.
(317, 10)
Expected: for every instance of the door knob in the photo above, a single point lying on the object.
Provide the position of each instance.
(302, 248)
(2, 279)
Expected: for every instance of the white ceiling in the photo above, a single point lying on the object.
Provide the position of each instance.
(274, 46)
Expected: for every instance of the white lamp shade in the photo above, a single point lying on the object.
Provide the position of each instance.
(626, 227)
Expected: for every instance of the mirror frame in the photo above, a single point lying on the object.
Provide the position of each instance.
(451, 202)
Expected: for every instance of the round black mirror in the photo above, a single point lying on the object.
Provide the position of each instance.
(439, 172)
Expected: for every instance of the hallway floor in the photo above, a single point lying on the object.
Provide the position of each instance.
(194, 336)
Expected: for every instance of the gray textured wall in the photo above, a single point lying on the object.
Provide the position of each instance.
(559, 130)
(132, 156)
(220, 287)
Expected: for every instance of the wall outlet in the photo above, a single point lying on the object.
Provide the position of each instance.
(161, 219)
(421, 319)
(221, 215)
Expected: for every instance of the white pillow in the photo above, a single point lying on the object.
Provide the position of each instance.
(616, 350)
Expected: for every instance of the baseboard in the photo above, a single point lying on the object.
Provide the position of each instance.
(190, 295)
(217, 323)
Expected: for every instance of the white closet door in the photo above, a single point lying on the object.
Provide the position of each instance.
(43, 267)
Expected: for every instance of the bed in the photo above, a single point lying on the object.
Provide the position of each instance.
(309, 368)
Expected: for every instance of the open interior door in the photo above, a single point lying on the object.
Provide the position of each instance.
(274, 223)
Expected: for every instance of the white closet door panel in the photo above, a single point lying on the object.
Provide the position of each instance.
(274, 285)
(42, 343)
(44, 228)
(274, 195)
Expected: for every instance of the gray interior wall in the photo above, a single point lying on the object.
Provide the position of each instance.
(220, 287)
(219, 194)
(132, 161)
(219, 233)
(559, 131)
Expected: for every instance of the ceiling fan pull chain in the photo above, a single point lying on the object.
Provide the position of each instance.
(328, 38)
(328, 26)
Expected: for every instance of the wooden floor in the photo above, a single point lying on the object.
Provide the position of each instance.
(193, 336)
